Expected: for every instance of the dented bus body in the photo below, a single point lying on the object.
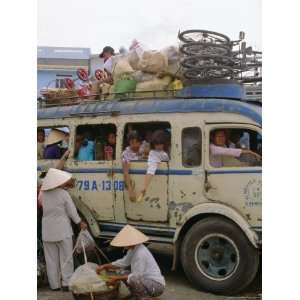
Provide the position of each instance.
(212, 216)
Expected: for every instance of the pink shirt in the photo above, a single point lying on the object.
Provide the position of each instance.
(216, 153)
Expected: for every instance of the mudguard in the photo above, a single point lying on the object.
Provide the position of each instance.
(89, 218)
(222, 210)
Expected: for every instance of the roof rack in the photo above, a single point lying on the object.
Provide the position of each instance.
(220, 90)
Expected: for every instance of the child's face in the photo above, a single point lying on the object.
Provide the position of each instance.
(159, 147)
(134, 145)
(111, 139)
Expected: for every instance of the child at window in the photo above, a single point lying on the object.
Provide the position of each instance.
(131, 153)
(145, 147)
(110, 148)
(84, 149)
(157, 154)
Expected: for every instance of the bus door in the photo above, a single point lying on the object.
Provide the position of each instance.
(235, 180)
(154, 207)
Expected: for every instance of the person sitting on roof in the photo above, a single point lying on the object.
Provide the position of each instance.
(145, 279)
(107, 53)
(218, 148)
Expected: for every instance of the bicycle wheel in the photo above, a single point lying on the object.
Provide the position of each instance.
(198, 35)
(209, 72)
(201, 48)
(202, 60)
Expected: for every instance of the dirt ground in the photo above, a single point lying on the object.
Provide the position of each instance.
(178, 287)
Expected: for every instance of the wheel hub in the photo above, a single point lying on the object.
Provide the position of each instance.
(217, 256)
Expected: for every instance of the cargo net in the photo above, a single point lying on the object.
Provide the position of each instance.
(208, 55)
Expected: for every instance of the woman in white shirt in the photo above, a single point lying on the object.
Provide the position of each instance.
(145, 279)
(218, 149)
(157, 154)
(58, 211)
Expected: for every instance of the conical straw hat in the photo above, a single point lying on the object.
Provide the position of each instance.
(129, 236)
(55, 136)
(54, 179)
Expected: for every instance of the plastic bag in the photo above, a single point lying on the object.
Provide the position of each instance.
(172, 53)
(86, 280)
(133, 59)
(153, 62)
(86, 239)
(135, 53)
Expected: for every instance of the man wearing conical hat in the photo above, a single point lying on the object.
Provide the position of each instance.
(145, 279)
(58, 212)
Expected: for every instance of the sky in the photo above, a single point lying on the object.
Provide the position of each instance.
(155, 23)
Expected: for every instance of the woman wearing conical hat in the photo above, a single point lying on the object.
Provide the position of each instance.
(145, 279)
(58, 211)
(54, 144)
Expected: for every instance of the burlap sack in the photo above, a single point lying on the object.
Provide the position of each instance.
(153, 62)
(140, 76)
(175, 70)
(121, 68)
(133, 59)
(105, 87)
(144, 89)
(94, 91)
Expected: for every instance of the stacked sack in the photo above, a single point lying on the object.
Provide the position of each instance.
(144, 71)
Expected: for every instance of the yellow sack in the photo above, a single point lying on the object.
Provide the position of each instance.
(177, 84)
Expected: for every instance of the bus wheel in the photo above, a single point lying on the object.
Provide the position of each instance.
(217, 256)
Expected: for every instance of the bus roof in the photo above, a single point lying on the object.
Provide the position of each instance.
(148, 106)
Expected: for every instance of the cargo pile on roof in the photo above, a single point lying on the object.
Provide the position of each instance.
(200, 57)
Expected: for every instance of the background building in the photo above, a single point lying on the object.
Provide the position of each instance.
(56, 63)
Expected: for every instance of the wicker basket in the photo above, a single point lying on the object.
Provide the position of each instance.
(110, 294)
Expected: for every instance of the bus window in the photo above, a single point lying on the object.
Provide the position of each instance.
(191, 147)
(145, 131)
(52, 142)
(235, 148)
(95, 142)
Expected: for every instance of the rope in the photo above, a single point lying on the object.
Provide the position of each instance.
(83, 247)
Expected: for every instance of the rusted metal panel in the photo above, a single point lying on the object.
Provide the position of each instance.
(154, 207)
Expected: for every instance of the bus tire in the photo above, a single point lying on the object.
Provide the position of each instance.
(217, 257)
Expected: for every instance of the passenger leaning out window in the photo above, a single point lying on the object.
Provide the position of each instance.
(131, 153)
(157, 154)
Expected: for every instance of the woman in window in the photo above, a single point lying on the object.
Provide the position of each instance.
(53, 149)
(218, 148)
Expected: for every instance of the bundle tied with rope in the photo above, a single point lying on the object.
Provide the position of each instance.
(85, 283)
